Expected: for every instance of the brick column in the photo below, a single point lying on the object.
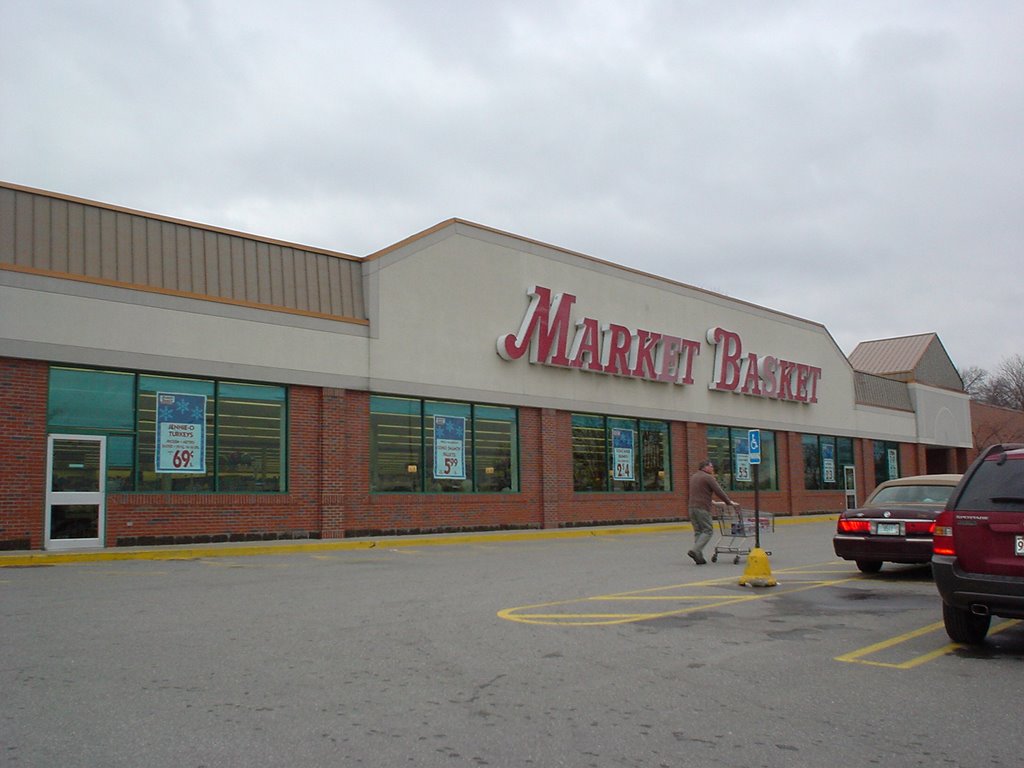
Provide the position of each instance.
(23, 391)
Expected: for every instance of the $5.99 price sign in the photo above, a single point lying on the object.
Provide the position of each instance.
(180, 433)
(449, 448)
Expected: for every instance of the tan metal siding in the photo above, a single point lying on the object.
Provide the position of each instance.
(882, 392)
(40, 231)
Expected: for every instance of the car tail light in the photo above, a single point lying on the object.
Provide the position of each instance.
(942, 535)
(854, 526)
(923, 526)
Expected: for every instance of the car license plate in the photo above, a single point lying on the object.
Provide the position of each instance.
(888, 529)
(1018, 548)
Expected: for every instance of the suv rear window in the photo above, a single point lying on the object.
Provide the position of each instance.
(996, 486)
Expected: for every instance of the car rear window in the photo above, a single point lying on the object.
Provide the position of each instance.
(996, 486)
(913, 494)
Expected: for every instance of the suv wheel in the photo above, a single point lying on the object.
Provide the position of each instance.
(963, 626)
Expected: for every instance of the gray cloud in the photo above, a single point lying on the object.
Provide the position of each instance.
(854, 164)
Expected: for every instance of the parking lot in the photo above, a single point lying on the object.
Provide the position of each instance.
(598, 648)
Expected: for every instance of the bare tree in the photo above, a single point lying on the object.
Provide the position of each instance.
(1010, 375)
(1004, 387)
(975, 379)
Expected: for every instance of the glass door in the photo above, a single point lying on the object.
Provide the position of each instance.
(850, 485)
(75, 498)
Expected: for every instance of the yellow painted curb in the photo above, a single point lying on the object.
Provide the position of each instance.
(243, 549)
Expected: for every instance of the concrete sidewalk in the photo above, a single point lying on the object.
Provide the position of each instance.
(23, 558)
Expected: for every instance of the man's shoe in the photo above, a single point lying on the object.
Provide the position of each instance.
(701, 560)
(696, 558)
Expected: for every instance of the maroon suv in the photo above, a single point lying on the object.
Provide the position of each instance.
(978, 545)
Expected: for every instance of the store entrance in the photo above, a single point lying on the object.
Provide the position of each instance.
(75, 497)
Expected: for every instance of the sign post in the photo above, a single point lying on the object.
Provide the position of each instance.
(754, 451)
(759, 572)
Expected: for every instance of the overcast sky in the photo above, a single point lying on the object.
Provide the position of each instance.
(859, 164)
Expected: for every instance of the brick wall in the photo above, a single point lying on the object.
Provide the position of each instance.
(328, 480)
(23, 393)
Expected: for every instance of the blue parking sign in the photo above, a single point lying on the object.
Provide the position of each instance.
(754, 445)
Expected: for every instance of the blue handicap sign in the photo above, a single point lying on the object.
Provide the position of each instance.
(754, 445)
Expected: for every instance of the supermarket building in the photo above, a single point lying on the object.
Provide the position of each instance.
(169, 382)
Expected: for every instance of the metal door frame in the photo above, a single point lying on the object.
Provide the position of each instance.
(97, 497)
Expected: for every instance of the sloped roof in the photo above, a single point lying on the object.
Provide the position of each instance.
(920, 358)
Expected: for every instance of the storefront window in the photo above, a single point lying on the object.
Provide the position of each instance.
(824, 459)
(728, 451)
(617, 454)
(396, 444)
(102, 403)
(589, 459)
(654, 455)
(250, 438)
(448, 447)
(149, 478)
(887, 461)
(442, 447)
(495, 457)
(244, 427)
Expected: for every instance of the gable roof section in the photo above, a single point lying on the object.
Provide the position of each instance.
(921, 359)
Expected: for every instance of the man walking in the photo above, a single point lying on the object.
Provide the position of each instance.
(703, 487)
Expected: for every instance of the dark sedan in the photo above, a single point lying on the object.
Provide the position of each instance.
(895, 524)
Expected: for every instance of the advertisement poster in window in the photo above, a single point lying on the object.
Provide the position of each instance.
(828, 463)
(741, 449)
(180, 433)
(894, 466)
(449, 448)
(622, 454)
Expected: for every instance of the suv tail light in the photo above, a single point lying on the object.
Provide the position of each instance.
(942, 538)
(854, 526)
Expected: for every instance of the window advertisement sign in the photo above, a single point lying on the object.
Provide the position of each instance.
(622, 454)
(894, 464)
(180, 433)
(741, 452)
(449, 447)
(828, 463)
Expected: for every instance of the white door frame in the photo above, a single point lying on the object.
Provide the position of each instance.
(85, 497)
(850, 485)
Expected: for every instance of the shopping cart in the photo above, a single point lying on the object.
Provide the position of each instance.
(739, 528)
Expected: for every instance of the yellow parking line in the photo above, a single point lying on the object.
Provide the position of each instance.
(857, 657)
(541, 613)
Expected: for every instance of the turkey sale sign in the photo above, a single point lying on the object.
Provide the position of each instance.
(180, 433)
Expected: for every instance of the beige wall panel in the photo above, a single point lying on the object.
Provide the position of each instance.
(439, 328)
(76, 238)
(168, 257)
(139, 259)
(196, 262)
(125, 252)
(23, 231)
(943, 416)
(301, 285)
(59, 236)
(323, 284)
(93, 247)
(212, 264)
(154, 254)
(41, 233)
(288, 278)
(108, 245)
(285, 353)
(7, 228)
(263, 269)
